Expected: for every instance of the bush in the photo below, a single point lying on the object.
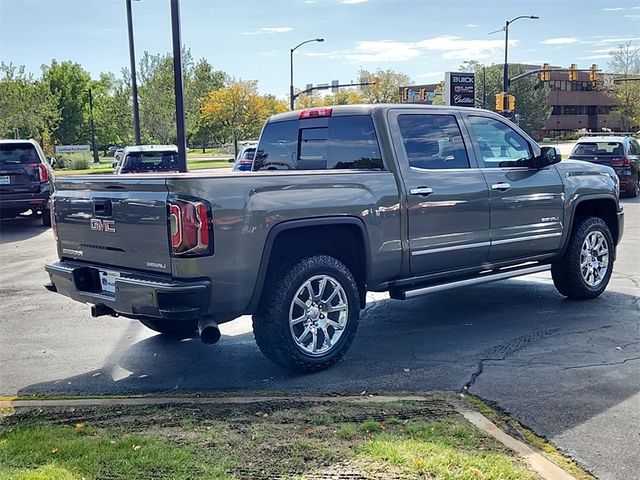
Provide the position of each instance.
(62, 161)
(79, 164)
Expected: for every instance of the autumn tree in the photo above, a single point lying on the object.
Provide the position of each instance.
(239, 110)
(386, 88)
(625, 62)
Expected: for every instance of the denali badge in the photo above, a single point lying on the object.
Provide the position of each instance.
(69, 251)
(102, 225)
(156, 265)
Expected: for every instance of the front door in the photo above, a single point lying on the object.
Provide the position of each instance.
(527, 204)
(446, 194)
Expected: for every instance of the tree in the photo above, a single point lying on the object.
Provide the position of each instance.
(625, 61)
(112, 110)
(386, 88)
(344, 96)
(28, 109)
(69, 83)
(239, 110)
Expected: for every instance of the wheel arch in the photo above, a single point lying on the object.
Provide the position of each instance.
(354, 252)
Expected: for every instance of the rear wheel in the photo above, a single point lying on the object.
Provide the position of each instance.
(586, 266)
(178, 329)
(308, 315)
(635, 190)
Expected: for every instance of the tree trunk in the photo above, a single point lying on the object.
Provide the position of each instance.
(235, 144)
(203, 146)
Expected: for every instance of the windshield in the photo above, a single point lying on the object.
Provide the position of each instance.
(18, 154)
(598, 148)
(150, 161)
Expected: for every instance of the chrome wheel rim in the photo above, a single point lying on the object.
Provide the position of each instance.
(594, 259)
(318, 315)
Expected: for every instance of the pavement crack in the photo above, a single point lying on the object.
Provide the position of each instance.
(478, 372)
(606, 364)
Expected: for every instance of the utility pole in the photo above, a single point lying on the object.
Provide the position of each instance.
(291, 93)
(134, 83)
(96, 160)
(181, 138)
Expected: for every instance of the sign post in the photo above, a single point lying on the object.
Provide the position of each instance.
(459, 89)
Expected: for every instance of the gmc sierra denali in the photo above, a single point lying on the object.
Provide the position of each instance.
(343, 200)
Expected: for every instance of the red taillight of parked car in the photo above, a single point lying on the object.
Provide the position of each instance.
(190, 227)
(621, 162)
(43, 173)
(315, 113)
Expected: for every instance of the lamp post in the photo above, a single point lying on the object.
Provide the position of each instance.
(291, 65)
(505, 74)
(134, 83)
(181, 138)
(96, 160)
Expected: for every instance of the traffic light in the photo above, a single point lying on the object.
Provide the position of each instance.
(545, 74)
(512, 103)
(573, 73)
(593, 75)
(423, 94)
(500, 101)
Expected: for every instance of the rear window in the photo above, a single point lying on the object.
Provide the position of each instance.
(154, 161)
(248, 154)
(598, 148)
(18, 154)
(347, 142)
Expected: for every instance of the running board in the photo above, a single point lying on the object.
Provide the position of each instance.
(489, 277)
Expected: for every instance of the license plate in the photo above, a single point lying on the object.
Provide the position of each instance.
(108, 281)
(5, 180)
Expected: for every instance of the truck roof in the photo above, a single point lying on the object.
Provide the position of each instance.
(362, 109)
(30, 140)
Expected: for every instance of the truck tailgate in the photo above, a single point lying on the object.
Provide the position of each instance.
(116, 221)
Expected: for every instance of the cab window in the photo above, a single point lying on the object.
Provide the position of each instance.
(500, 145)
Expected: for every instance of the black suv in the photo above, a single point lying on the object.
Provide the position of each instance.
(622, 153)
(26, 179)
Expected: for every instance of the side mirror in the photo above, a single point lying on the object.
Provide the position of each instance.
(548, 156)
(52, 161)
(232, 160)
(114, 164)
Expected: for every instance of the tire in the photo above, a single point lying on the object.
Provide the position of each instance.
(287, 309)
(579, 282)
(46, 217)
(636, 191)
(178, 329)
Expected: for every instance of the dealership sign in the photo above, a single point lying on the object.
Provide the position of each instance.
(459, 89)
(72, 148)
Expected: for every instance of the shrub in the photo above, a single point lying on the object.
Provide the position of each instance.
(80, 164)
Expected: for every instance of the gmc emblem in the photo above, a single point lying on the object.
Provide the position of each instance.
(102, 225)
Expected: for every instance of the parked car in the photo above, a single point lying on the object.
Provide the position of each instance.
(26, 180)
(244, 160)
(117, 154)
(409, 199)
(620, 152)
(148, 158)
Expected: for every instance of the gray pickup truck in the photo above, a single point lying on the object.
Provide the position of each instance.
(344, 200)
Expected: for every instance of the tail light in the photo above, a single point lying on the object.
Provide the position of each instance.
(315, 113)
(621, 162)
(190, 227)
(43, 173)
(246, 162)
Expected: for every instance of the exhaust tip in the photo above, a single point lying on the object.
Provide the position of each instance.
(208, 330)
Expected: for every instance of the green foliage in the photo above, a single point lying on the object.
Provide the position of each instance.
(387, 87)
(28, 109)
(371, 426)
(79, 164)
(625, 61)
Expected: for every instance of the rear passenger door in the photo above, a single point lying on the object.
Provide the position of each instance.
(526, 202)
(446, 194)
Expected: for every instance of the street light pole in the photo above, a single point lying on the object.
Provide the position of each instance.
(505, 74)
(93, 130)
(134, 83)
(291, 93)
(181, 138)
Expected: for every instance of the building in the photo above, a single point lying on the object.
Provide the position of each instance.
(578, 105)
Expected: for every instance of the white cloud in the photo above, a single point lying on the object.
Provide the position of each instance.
(276, 29)
(594, 57)
(616, 9)
(430, 75)
(310, 1)
(559, 41)
(608, 41)
(353, 2)
(472, 25)
(635, 8)
(634, 16)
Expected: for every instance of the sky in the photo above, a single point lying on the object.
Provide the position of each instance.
(251, 39)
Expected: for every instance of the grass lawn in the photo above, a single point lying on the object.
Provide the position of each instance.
(400, 440)
(105, 167)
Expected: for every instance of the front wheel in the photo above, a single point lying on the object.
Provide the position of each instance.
(585, 269)
(308, 315)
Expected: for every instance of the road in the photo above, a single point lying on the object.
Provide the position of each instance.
(570, 370)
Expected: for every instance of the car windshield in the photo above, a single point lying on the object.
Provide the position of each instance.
(18, 154)
(598, 148)
(248, 154)
(150, 161)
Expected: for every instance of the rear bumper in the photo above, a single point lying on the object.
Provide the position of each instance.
(137, 295)
(25, 201)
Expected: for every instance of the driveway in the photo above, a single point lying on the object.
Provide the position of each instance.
(570, 370)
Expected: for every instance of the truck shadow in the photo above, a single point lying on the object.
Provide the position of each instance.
(21, 228)
(503, 341)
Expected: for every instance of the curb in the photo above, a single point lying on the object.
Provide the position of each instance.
(536, 461)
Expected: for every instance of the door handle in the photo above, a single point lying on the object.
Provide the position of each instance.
(421, 191)
(502, 186)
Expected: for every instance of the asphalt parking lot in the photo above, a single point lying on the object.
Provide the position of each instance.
(569, 370)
